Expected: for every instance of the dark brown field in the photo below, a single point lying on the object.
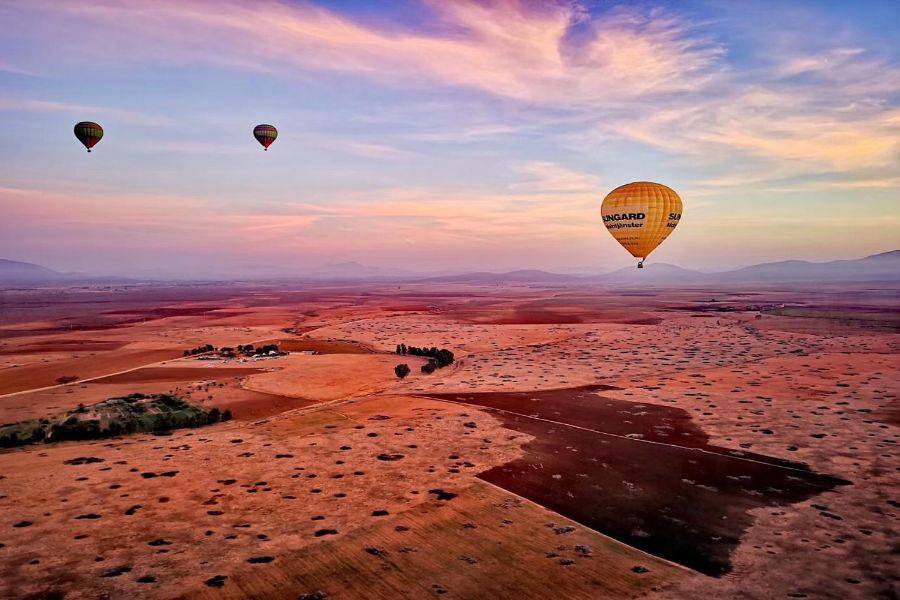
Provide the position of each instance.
(641, 473)
(590, 442)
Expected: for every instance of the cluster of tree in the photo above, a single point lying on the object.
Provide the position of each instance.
(200, 350)
(113, 417)
(429, 367)
(401, 370)
(249, 350)
(267, 349)
(440, 357)
(229, 352)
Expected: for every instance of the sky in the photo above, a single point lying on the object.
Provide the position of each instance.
(443, 135)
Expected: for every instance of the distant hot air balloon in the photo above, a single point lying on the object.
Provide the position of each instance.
(88, 133)
(265, 135)
(641, 215)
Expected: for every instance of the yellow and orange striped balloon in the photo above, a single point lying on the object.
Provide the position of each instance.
(641, 215)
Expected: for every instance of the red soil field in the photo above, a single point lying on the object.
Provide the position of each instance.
(62, 346)
(586, 443)
(149, 374)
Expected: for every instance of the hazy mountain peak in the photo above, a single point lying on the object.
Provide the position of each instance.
(14, 270)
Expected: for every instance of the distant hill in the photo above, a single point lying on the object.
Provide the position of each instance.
(893, 255)
(354, 270)
(653, 273)
(878, 267)
(13, 271)
(522, 277)
(17, 273)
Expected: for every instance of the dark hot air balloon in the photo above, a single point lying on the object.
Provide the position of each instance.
(265, 135)
(88, 133)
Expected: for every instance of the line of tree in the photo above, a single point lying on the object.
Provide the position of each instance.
(249, 350)
(440, 357)
(200, 350)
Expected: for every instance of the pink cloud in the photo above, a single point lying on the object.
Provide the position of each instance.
(506, 47)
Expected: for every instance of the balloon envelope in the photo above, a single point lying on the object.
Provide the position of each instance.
(88, 133)
(641, 215)
(265, 135)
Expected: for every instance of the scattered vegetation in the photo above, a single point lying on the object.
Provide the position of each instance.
(402, 370)
(440, 357)
(135, 413)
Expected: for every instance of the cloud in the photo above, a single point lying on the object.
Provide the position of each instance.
(543, 177)
(426, 217)
(773, 126)
(127, 116)
(6, 67)
(508, 48)
(837, 119)
(361, 147)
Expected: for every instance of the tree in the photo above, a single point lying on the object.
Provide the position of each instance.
(401, 370)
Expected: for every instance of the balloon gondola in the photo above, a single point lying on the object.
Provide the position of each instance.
(640, 216)
(88, 133)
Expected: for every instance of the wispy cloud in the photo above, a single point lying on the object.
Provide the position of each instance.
(505, 47)
(542, 177)
(360, 147)
(401, 216)
(125, 115)
(6, 67)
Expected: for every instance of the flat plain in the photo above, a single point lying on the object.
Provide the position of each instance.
(586, 443)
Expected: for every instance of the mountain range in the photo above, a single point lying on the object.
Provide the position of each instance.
(884, 267)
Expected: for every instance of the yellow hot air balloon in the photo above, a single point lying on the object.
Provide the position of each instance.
(641, 215)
